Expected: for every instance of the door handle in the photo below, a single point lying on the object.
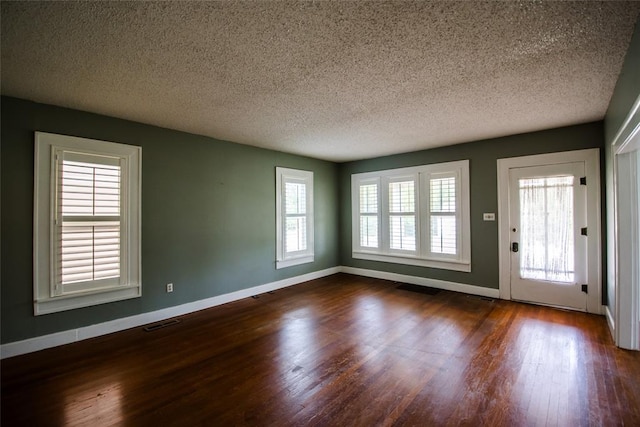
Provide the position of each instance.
(514, 247)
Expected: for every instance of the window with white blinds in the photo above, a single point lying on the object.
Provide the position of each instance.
(369, 199)
(417, 216)
(442, 215)
(294, 217)
(87, 222)
(402, 215)
(295, 202)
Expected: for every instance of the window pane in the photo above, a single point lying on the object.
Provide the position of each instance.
(295, 198)
(368, 231)
(402, 229)
(546, 229)
(402, 197)
(89, 251)
(443, 195)
(369, 198)
(90, 189)
(443, 234)
(296, 234)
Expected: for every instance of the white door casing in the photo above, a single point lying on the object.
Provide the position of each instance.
(591, 160)
(624, 316)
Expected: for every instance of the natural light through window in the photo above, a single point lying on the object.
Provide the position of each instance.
(369, 215)
(86, 222)
(443, 215)
(547, 229)
(416, 215)
(402, 217)
(90, 232)
(296, 210)
(294, 217)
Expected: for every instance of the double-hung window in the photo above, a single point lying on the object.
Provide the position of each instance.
(402, 213)
(294, 217)
(86, 222)
(417, 216)
(369, 209)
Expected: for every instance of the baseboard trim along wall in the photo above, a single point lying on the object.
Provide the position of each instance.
(66, 337)
(610, 322)
(424, 281)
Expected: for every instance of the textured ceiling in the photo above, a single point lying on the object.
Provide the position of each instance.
(332, 80)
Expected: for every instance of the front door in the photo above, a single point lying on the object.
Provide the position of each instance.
(547, 225)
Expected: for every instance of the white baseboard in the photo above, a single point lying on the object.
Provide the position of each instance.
(66, 337)
(423, 281)
(610, 322)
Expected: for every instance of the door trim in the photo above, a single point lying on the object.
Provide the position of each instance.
(591, 157)
(627, 249)
(624, 246)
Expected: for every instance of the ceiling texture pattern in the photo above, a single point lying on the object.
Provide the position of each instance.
(334, 80)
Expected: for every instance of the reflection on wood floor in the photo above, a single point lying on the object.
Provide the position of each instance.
(339, 351)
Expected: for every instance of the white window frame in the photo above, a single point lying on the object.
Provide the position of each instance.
(422, 256)
(50, 297)
(284, 258)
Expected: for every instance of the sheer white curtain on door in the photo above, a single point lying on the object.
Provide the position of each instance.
(546, 229)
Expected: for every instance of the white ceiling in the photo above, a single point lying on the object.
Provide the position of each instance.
(333, 80)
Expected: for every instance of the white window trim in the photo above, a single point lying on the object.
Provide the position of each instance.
(130, 286)
(284, 175)
(422, 257)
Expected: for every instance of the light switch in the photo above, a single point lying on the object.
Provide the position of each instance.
(489, 216)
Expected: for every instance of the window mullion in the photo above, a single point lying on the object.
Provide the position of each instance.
(384, 213)
(417, 214)
(423, 213)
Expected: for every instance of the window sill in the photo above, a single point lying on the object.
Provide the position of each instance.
(56, 304)
(464, 266)
(294, 261)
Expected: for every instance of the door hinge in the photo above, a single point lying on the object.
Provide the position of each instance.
(583, 231)
(583, 180)
(585, 289)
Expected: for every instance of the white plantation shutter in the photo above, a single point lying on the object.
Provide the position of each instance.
(88, 222)
(369, 215)
(417, 215)
(294, 217)
(402, 215)
(443, 214)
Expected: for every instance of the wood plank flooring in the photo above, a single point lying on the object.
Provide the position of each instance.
(338, 351)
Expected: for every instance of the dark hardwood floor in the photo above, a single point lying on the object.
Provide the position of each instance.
(339, 351)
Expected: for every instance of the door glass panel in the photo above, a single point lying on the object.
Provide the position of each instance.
(546, 229)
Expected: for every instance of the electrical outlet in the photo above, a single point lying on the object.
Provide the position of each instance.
(169, 287)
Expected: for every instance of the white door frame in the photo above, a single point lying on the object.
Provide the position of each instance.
(625, 151)
(591, 157)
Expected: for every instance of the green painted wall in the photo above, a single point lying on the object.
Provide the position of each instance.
(484, 197)
(208, 215)
(208, 211)
(624, 95)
